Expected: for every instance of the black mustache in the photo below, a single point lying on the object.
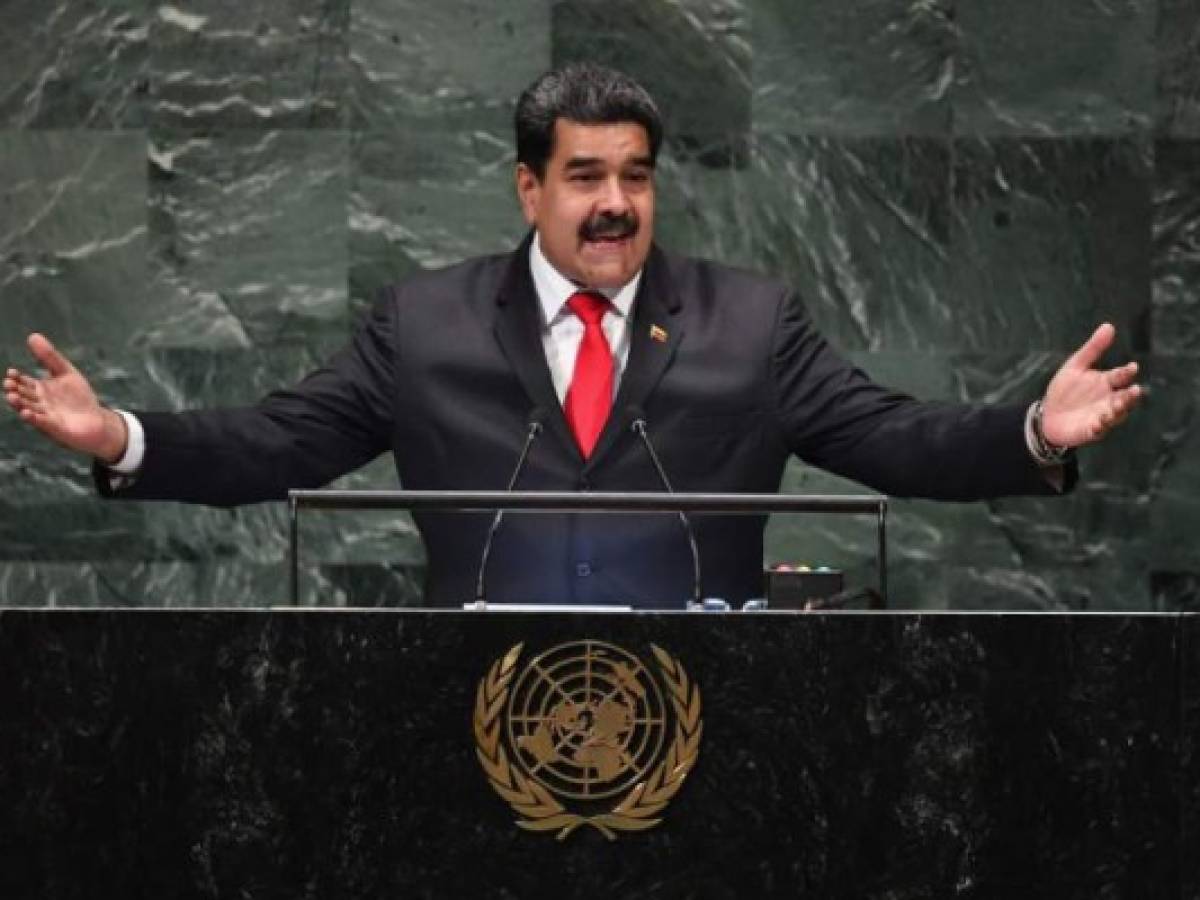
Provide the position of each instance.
(609, 227)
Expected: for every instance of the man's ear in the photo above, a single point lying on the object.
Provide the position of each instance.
(529, 188)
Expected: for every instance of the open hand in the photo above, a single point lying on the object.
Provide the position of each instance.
(63, 406)
(1083, 403)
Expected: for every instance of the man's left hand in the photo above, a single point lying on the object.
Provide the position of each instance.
(1083, 403)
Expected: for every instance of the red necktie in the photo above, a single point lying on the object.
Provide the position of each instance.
(589, 398)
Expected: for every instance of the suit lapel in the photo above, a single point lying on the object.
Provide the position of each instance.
(657, 330)
(518, 330)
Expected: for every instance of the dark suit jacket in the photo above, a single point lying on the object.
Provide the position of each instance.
(449, 365)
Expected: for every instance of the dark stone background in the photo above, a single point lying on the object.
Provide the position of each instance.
(197, 198)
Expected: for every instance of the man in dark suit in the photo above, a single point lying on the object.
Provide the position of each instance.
(584, 328)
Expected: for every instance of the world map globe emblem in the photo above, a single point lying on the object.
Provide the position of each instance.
(586, 720)
(586, 735)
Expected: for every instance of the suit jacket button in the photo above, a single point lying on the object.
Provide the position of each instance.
(583, 570)
(584, 485)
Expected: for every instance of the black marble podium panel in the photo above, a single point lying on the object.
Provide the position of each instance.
(330, 754)
(1189, 753)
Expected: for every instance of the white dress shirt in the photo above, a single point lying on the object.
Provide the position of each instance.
(562, 330)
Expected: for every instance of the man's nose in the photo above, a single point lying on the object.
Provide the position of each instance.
(614, 199)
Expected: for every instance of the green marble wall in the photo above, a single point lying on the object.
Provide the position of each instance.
(197, 198)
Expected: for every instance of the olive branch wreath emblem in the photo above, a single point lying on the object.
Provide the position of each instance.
(541, 811)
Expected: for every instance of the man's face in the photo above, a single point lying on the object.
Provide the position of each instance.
(594, 207)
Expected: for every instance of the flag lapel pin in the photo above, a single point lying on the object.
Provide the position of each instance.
(658, 334)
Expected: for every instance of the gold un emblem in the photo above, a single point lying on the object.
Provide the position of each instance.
(585, 734)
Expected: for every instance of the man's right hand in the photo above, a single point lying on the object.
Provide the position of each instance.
(63, 405)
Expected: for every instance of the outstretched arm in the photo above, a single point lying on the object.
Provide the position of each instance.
(335, 420)
(834, 416)
(63, 406)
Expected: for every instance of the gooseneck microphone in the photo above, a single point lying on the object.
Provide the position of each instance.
(534, 428)
(638, 426)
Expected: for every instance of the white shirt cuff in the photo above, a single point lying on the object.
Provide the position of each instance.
(135, 447)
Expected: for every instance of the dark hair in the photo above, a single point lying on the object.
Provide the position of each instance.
(585, 93)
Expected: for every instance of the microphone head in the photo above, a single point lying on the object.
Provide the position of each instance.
(535, 419)
(637, 417)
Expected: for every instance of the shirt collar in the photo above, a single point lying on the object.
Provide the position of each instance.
(554, 289)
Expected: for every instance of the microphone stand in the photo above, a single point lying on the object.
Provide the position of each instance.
(639, 428)
(535, 428)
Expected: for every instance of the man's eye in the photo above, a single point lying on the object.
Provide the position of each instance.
(639, 177)
(585, 176)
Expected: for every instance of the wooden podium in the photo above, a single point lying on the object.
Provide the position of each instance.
(329, 754)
